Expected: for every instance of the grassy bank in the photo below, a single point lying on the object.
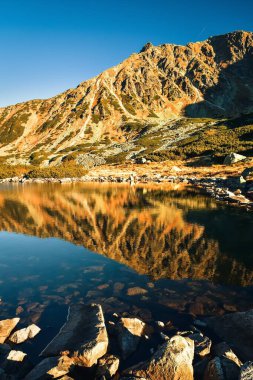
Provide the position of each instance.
(62, 171)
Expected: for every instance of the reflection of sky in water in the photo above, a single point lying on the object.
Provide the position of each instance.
(168, 237)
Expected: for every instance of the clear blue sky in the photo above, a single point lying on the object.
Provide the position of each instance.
(48, 46)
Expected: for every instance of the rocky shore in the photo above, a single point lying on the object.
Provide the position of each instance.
(92, 346)
(236, 190)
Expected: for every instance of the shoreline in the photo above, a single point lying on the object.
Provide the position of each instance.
(231, 190)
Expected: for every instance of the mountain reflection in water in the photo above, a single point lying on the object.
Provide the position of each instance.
(155, 230)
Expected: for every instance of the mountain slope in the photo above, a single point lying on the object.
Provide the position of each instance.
(149, 91)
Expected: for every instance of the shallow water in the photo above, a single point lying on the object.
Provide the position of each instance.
(158, 252)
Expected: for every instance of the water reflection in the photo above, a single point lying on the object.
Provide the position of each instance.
(159, 232)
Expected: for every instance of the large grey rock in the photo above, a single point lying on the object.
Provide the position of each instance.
(130, 331)
(172, 361)
(237, 330)
(231, 158)
(246, 371)
(221, 369)
(6, 327)
(22, 335)
(83, 336)
(52, 368)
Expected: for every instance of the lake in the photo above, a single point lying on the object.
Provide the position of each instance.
(160, 252)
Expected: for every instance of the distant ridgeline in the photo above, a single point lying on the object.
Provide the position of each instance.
(164, 102)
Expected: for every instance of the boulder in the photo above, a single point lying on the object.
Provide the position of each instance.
(130, 331)
(221, 369)
(107, 367)
(237, 330)
(246, 372)
(54, 368)
(83, 336)
(223, 349)
(6, 327)
(172, 361)
(231, 158)
(22, 335)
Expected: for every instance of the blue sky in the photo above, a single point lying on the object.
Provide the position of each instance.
(50, 46)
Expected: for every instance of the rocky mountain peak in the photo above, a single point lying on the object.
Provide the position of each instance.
(211, 78)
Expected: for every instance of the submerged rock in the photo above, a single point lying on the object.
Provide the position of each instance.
(22, 335)
(83, 336)
(130, 331)
(6, 327)
(136, 291)
(237, 330)
(172, 361)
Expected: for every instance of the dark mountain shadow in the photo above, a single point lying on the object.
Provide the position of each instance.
(232, 96)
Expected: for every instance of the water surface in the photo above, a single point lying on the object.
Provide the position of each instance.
(158, 252)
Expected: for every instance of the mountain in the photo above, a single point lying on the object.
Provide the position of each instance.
(167, 91)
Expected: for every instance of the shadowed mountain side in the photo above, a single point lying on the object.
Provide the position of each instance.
(142, 228)
(232, 93)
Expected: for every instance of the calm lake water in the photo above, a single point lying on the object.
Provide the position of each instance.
(157, 252)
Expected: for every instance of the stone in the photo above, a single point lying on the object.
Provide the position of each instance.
(223, 349)
(107, 366)
(54, 367)
(130, 331)
(136, 291)
(237, 330)
(6, 327)
(202, 344)
(16, 363)
(246, 372)
(160, 324)
(231, 158)
(172, 361)
(22, 335)
(221, 369)
(83, 336)
(19, 310)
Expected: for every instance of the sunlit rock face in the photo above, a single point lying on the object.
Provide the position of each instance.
(156, 231)
(212, 78)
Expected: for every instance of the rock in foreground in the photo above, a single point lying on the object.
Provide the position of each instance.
(237, 330)
(83, 336)
(130, 331)
(6, 327)
(172, 361)
(22, 335)
(50, 368)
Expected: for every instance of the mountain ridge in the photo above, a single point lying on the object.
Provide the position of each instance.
(152, 88)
